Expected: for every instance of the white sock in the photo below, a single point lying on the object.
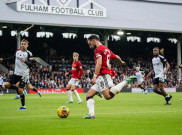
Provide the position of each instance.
(3, 85)
(70, 95)
(116, 89)
(77, 95)
(90, 105)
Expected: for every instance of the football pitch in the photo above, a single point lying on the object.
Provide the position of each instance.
(126, 114)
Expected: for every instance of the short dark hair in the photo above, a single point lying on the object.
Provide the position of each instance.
(156, 48)
(94, 37)
(24, 40)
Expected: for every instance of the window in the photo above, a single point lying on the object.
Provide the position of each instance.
(69, 35)
(115, 37)
(88, 35)
(173, 40)
(133, 38)
(153, 39)
(14, 33)
(44, 34)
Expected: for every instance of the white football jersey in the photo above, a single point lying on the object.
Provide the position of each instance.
(1, 80)
(159, 65)
(20, 67)
(139, 76)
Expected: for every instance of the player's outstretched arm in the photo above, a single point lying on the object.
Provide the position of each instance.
(1, 59)
(149, 74)
(7, 59)
(167, 68)
(180, 66)
(80, 71)
(97, 69)
(143, 74)
(120, 60)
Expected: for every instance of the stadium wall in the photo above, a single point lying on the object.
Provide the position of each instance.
(138, 90)
(158, 15)
(80, 90)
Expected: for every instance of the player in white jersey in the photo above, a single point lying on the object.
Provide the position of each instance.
(140, 75)
(1, 84)
(23, 59)
(29, 86)
(160, 68)
(180, 66)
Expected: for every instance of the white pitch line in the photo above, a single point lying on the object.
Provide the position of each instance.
(35, 116)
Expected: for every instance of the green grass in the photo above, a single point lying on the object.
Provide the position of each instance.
(126, 114)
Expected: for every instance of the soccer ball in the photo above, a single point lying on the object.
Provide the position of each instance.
(63, 112)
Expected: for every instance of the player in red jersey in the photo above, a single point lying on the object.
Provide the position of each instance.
(113, 76)
(77, 73)
(102, 81)
(112, 72)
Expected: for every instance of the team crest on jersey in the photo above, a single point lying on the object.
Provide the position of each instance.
(106, 50)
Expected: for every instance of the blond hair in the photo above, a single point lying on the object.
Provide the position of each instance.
(75, 53)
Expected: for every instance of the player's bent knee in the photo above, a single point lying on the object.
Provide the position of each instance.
(88, 94)
(73, 88)
(30, 87)
(107, 98)
(20, 91)
(155, 90)
(7, 85)
(88, 97)
(68, 87)
(161, 88)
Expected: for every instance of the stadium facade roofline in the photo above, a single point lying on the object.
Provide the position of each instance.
(143, 15)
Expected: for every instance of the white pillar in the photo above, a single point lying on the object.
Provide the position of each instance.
(106, 40)
(18, 39)
(179, 59)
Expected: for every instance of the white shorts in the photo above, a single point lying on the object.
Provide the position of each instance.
(140, 80)
(103, 82)
(73, 82)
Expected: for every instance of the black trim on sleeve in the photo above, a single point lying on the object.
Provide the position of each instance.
(163, 60)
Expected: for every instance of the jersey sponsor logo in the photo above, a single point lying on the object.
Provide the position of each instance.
(106, 51)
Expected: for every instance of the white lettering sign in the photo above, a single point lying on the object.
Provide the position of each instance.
(62, 8)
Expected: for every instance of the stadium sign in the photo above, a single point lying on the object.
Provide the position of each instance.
(52, 91)
(64, 7)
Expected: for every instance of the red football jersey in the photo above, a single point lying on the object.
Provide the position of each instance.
(107, 55)
(77, 70)
(112, 73)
